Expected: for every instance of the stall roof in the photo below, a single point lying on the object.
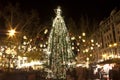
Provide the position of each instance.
(110, 61)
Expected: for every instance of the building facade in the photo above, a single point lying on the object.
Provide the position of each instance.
(104, 43)
(110, 36)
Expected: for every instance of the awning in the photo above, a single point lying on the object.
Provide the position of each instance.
(110, 61)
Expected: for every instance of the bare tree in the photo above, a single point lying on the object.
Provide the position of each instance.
(26, 23)
(72, 28)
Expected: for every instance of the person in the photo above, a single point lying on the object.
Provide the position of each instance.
(101, 73)
(30, 68)
(110, 74)
(115, 72)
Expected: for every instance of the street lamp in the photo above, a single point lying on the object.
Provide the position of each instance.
(11, 32)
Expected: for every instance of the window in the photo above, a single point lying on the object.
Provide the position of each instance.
(119, 38)
(118, 31)
(110, 36)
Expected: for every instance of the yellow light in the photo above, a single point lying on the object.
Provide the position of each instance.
(44, 45)
(78, 50)
(72, 43)
(92, 40)
(24, 37)
(41, 45)
(78, 44)
(11, 32)
(87, 59)
(92, 44)
(79, 37)
(98, 45)
(91, 48)
(90, 55)
(73, 48)
(73, 38)
(83, 51)
(0, 53)
(115, 44)
(8, 51)
(46, 42)
(110, 45)
(104, 55)
(83, 34)
(86, 50)
(46, 31)
(83, 40)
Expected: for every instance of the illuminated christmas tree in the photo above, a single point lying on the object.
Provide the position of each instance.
(61, 57)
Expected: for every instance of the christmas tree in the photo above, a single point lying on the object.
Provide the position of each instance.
(61, 57)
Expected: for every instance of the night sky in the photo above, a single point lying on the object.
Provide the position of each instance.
(94, 9)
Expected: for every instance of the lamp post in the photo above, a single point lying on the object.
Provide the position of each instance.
(9, 51)
(87, 63)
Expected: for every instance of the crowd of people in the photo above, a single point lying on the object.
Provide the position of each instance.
(78, 73)
(111, 74)
(83, 73)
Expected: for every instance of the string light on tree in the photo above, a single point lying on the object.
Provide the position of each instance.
(61, 56)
